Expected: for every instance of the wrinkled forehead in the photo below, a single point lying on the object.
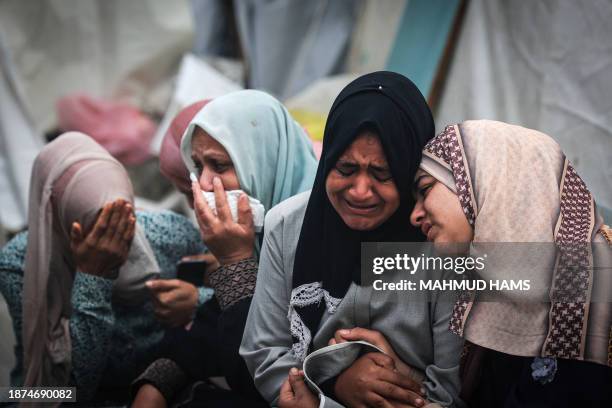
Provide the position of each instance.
(366, 146)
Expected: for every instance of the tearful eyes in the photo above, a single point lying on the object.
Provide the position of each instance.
(380, 175)
(424, 189)
(216, 167)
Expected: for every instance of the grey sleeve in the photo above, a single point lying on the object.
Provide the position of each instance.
(442, 377)
(266, 343)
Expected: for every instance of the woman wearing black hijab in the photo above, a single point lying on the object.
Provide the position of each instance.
(309, 279)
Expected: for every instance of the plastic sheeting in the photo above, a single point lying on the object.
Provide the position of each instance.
(214, 33)
(195, 81)
(374, 35)
(124, 50)
(290, 43)
(546, 65)
(107, 48)
(411, 55)
(19, 145)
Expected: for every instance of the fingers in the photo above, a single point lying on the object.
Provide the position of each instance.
(76, 234)
(167, 293)
(286, 392)
(203, 212)
(402, 381)
(391, 391)
(223, 209)
(207, 257)
(298, 385)
(128, 234)
(245, 215)
(375, 400)
(163, 285)
(124, 224)
(338, 338)
(109, 221)
(382, 360)
(116, 215)
(358, 333)
(331, 342)
(101, 224)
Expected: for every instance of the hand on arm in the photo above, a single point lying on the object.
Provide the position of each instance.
(105, 248)
(228, 240)
(376, 338)
(372, 380)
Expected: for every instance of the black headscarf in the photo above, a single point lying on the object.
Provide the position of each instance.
(328, 251)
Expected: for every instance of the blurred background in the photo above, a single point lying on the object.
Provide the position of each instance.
(119, 70)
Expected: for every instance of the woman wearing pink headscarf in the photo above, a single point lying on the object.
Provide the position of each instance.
(167, 293)
(75, 282)
(170, 162)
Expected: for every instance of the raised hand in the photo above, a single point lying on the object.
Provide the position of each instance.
(106, 246)
(228, 240)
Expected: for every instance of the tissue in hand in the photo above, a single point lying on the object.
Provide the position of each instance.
(257, 207)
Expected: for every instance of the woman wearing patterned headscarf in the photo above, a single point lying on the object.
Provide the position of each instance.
(309, 282)
(488, 182)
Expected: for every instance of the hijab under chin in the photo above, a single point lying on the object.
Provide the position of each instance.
(515, 185)
(327, 258)
(270, 151)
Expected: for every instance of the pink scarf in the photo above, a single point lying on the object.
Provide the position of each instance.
(72, 178)
(170, 162)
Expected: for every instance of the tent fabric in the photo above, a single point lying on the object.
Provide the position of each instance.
(546, 66)
(19, 145)
(290, 43)
(374, 35)
(421, 39)
(111, 49)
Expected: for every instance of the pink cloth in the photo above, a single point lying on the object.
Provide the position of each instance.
(119, 127)
(170, 162)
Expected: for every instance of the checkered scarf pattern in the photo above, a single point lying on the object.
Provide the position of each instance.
(570, 290)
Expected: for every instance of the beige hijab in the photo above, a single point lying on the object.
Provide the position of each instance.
(72, 178)
(516, 185)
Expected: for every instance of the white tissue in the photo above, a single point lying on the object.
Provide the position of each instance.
(257, 208)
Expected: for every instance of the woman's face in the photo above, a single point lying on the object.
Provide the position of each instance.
(360, 187)
(182, 185)
(438, 212)
(212, 160)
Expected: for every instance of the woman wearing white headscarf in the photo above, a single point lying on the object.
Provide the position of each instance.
(246, 141)
(75, 281)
